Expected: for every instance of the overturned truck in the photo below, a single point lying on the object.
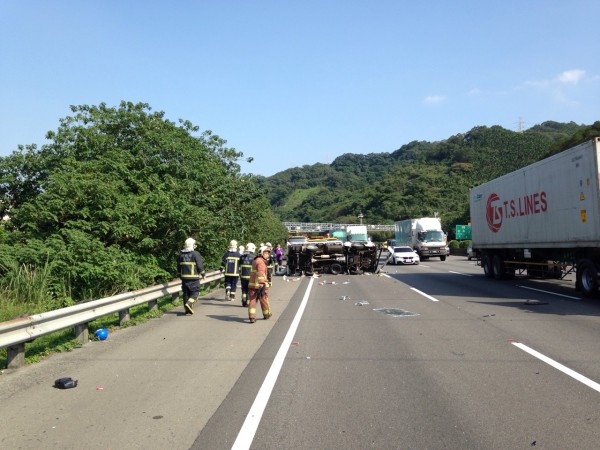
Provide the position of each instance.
(318, 256)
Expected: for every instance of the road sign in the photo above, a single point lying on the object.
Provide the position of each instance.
(463, 232)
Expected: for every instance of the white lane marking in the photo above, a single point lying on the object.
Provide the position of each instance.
(385, 275)
(582, 379)
(463, 274)
(425, 295)
(548, 292)
(248, 430)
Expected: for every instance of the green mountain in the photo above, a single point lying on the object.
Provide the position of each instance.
(419, 179)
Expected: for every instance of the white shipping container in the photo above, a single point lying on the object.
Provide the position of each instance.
(554, 203)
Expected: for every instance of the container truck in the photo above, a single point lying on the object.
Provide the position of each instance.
(543, 219)
(424, 235)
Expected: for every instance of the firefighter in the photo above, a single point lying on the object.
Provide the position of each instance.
(230, 266)
(260, 280)
(245, 269)
(272, 261)
(190, 268)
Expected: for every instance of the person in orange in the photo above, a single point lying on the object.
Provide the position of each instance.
(260, 280)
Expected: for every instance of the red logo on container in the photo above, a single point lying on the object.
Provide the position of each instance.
(493, 213)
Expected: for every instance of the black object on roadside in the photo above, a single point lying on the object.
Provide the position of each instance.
(65, 383)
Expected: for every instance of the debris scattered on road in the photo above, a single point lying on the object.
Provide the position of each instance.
(361, 303)
(99, 388)
(345, 297)
(65, 383)
(101, 334)
(535, 302)
(395, 312)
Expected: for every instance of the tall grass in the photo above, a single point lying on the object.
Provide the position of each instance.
(26, 290)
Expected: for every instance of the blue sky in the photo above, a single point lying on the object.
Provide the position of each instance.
(291, 83)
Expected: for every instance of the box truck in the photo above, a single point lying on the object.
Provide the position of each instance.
(424, 235)
(543, 219)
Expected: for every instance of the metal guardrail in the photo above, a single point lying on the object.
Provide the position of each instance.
(15, 333)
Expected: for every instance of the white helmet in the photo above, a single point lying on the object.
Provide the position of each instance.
(242, 248)
(233, 243)
(190, 244)
(268, 244)
(251, 247)
(264, 248)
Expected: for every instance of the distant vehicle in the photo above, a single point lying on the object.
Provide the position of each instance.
(405, 255)
(470, 254)
(297, 240)
(390, 244)
(424, 235)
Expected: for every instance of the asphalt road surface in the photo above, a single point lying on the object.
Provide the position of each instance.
(433, 356)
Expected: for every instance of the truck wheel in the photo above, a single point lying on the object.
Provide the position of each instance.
(587, 277)
(498, 267)
(486, 263)
(442, 258)
(335, 269)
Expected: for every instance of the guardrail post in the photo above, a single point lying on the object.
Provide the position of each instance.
(152, 305)
(124, 316)
(15, 356)
(175, 297)
(82, 333)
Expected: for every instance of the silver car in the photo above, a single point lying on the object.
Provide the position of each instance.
(405, 255)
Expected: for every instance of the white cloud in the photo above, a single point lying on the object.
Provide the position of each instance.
(434, 99)
(571, 76)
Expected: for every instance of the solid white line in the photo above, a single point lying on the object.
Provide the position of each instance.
(548, 292)
(248, 430)
(559, 366)
(385, 275)
(463, 274)
(425, 295)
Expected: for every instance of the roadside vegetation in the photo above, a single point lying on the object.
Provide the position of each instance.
(106, 205)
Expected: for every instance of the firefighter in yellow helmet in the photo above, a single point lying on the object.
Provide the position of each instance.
(230, 265)
(190, 268)
(260, 280)
(245, 269)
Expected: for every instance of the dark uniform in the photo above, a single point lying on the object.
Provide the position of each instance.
(245, 269)
(230, 265)
(190, 268)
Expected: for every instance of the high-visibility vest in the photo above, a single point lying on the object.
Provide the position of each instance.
(246, 265)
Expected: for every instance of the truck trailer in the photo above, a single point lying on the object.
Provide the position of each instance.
(543, 219)
(424, 236)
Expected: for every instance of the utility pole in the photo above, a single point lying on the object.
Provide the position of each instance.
(360, 216)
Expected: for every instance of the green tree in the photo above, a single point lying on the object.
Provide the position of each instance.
(111, 199)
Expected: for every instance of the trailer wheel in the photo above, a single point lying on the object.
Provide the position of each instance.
(486, 263)
(335, 269)
(498, 267)
(587, 277)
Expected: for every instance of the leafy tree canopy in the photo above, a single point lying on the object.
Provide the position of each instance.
(111, 199)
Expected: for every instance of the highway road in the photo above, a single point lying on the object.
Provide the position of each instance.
(433, 356)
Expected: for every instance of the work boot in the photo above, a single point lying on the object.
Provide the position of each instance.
(227, 291)
(268, 315)
(188, 307)
(252, 320)
(232, 298)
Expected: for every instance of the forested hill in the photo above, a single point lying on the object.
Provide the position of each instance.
(419, 179)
